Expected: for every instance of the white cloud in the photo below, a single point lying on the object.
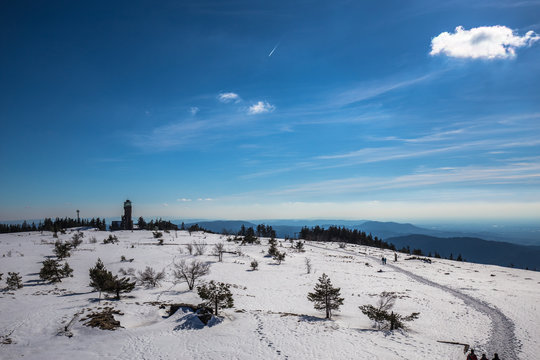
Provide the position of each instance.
(260, 107)
(485, 42)
(183, 200)
(206, 199)
(165, 205)
(194, 110)
(228, 97)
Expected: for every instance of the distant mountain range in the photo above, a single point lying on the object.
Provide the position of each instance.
(473, 250)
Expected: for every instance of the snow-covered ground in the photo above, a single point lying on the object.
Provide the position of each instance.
(494, 309)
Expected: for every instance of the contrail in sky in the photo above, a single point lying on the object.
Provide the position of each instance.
(274, 49)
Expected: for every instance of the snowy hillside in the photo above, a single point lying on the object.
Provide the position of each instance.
(494, 309)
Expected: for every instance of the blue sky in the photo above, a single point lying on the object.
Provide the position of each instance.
(386, 110)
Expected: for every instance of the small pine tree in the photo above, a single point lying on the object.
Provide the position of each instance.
(52, 271)
(76, 240)
(66, 270)
(326, 297)
(279, 257)
(119, 286)
(382, 314)
(61, 250)
(14, 281)
(217, 295)
(100, 277)
(272, 249)
(141, 223)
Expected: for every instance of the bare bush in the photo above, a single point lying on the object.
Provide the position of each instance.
(219, 248)
(189, 248)
(307, 261)
(92, 240)
(150, 278)
(199, 247)
(190, 273)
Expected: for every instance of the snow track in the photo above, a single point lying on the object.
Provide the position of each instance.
(502, 338)
(264, 337)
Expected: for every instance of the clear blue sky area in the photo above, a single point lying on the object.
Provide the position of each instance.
(271, 109)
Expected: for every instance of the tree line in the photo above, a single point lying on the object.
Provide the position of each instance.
(342, 234)
(58, 224)
(157, 224)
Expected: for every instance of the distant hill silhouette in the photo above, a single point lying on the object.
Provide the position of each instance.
(473, 250)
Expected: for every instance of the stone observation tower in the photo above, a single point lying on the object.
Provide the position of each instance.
(127, 223)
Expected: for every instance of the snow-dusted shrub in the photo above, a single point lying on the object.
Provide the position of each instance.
(254, 265)
(189, 248)
(92, 240)
(129, 272)
(112, 239)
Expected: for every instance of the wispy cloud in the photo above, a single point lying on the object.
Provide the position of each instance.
(485, 42)
(371, 90)
(183, 200)
(516, 173)
(194, 110)
(228, 97)
(260, 107)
